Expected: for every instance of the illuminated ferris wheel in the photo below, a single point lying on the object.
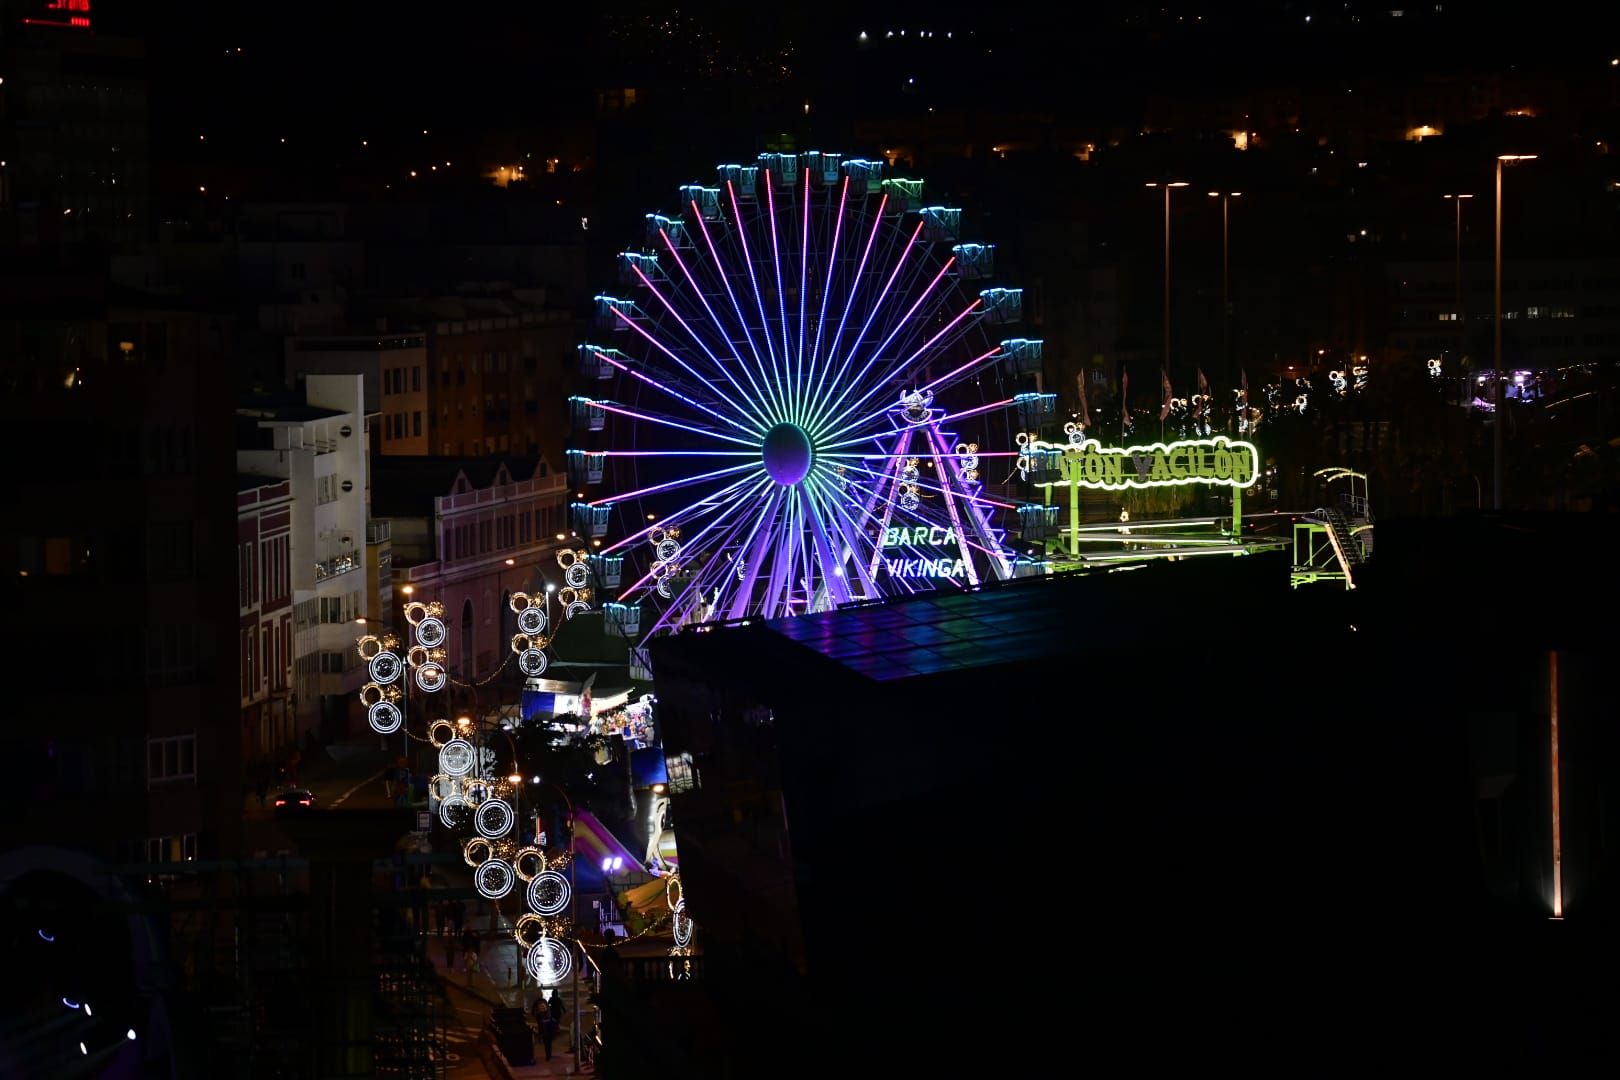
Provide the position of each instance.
(799, 377)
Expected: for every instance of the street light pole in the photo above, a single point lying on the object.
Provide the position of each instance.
(1496, 326)
(1167, 185)
(1460, 314)
(1226, 302)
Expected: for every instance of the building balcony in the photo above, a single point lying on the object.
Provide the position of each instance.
(337, 564)
(378, 532)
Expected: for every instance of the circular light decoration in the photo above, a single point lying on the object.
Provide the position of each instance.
(385, 667)
(680, 924)
(369, 646)
(577, 575)
(441, 732)
(456, 757)
(528, 929)
(528, 861)
(384, 718)
(371, 693)
(532, 621)
(415, 612)
(430, 632)
(532, 662)
(667, 549)
(494, 878)
(453, 810)
(549, 962)
(575, 608)
(674, 892)
(518, 601)
(476, 789)
(477, 851)
(549, 893)
(430, 677)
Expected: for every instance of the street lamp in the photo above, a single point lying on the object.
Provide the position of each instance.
(1226, 304)
(1496, 325)
(1461, 322)
(1167, 185)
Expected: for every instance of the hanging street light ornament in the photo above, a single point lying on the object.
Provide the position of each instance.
(456, 757)
(549, 962)
(453, 810)
(494, 818)
(430, 632)
(385, 667)
(440, 732)
(528, 862)
(494, 878)
(549, 893)
(430, 677)
(532, 621)
(532, 662)
(385, 718)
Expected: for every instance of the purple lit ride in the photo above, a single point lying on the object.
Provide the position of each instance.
(798, 374)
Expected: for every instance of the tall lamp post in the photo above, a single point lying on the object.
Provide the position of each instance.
(573, 912)
(1496, 325)
(1462, 321)
(1226, 304)
(1167, 185)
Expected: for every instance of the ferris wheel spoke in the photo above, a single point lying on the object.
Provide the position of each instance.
(854, 289)
(684, 514)
(905, 365)
(759, 298)
(676, 394)
(905, 321)
(804, 274)
(826, 555)
(693, 334)
(661, 347)
(672, 485)
(753, 555)
(846, 531)
(693, 543)
(781, 295)
(826, 291)
(742, 320)
(817, 409)
(619, 410)
(760, 397)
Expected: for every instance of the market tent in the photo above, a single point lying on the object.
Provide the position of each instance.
(593, 842)
(649, 899)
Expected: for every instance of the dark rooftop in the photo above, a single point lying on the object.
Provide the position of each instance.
(406, 486)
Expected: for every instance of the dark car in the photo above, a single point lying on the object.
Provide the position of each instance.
(294, 799)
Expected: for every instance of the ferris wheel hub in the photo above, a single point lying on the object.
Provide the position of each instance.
(788, 454)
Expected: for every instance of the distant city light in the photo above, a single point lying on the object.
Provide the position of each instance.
(130, 1034)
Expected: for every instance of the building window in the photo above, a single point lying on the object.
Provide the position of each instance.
(332, 663)
(173, 758)
(416, 425)
(169, 849)
(416, 378)
(332, 610)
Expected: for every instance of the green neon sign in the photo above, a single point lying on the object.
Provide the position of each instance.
(1219, 462)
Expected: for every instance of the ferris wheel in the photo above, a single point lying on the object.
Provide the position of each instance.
(799, 374)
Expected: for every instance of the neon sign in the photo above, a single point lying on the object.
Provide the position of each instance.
(1219, 462)
(914, 536)
(74, 14)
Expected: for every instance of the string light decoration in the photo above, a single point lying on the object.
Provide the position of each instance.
(456, 757)
(453, 810)
(528, 861)
(440, 732)
(549, 962)
(549, 893)
(477, 851)
(494, 878)
(681, 928)
(494, 818)
(574, 598)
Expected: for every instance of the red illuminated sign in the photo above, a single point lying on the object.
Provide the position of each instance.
(74, 14)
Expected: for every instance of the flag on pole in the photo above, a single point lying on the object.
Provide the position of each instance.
(1169, 395)
(1203, 386)
(1080, 385)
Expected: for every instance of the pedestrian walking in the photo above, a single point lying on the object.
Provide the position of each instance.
(471, 965)
(388, 785)
(546, 1022)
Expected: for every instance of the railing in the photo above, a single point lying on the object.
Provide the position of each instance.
(337, 564)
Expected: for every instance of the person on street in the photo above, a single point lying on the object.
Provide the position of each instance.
(471, 962)
(548, 1027)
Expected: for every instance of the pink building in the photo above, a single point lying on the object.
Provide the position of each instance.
(469, 532)
(265, 611)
